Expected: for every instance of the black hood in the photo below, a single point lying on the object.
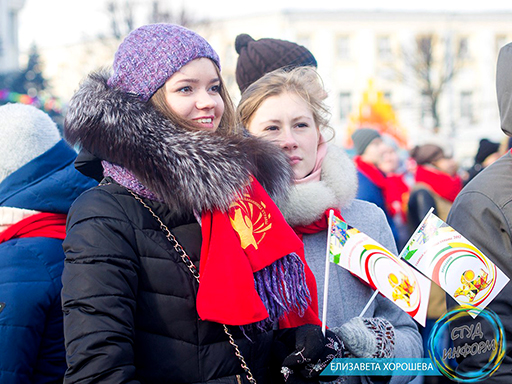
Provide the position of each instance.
(188, 170)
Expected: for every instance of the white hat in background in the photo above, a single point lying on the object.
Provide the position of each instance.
(25, 133)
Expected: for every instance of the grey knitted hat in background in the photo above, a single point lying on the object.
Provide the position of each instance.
(25, 133)
(151, 54)
(362, 137)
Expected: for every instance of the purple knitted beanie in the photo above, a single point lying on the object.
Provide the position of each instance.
(151, 54)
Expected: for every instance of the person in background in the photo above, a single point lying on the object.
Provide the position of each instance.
(258, 57)
(396, 192)
(436, 185)
(373, 184)
(488, 152)
(38, 183)
(482, 212)
(174, 263)
(286, 107)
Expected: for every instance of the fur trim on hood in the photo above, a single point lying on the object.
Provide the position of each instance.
(336, 189)
(188, 170)
(504, 88)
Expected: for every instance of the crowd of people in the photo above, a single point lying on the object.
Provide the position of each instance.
(186, 241)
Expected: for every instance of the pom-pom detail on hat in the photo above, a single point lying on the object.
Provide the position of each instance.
(242, 41)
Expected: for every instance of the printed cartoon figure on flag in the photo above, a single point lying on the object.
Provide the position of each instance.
(435, 252)
(454, 263)
(383, 271)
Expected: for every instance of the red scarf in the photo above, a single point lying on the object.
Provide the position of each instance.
(446, 186)
(249, 238)
(378, 178)
(396, 195)
(371, 171)
(39, 225)
(311, 316)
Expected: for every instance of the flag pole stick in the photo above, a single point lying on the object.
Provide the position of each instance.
(400, 255)
(368, 303)
(326, 280)
(426, 217)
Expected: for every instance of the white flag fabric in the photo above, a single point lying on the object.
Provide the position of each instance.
(383, 271)
(454, 263)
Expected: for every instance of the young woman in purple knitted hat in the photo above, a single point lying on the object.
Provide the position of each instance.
(178, 264)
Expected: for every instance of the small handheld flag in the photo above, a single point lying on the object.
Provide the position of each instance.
(454, 263)
(383, 271)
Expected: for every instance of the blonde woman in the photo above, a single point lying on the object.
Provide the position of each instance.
(286, 107)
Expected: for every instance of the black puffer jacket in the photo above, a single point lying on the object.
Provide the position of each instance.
(129, 300)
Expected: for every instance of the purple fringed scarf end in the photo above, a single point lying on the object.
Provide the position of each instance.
(282, 288)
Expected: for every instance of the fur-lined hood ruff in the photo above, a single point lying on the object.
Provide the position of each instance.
(337, 189)
(188, 170)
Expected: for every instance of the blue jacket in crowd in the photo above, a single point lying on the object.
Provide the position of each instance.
(31, 335)
(369, 191)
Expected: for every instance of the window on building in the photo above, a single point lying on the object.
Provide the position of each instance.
(304, 40)
(229, 57)
(230, 81)
(12, 24)
(424, 43)
(501, 40)
(384, 47)
(345, 105)
(466, 105)
(463, 50)
(343, 47)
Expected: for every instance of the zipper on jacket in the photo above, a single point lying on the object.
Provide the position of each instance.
(238, 379)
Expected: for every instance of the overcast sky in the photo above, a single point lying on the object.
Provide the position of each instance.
(54, 22)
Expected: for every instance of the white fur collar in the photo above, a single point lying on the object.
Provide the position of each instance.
(337, 188)
(11, 215)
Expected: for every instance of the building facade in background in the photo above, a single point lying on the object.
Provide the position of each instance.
(9, 51)
(354, 48)
(436, 69)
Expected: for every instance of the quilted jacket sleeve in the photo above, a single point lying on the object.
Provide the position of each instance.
(485, 221)
(99, 291)
(30, 315)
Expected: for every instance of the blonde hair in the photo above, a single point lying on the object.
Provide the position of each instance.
(302, 81)
(228, 121)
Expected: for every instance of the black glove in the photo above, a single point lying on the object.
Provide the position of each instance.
(309, 345)
(313, 352)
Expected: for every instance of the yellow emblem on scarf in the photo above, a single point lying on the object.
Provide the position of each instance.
(250, 220)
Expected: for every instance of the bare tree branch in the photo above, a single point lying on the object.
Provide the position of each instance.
(428, 66)
(122, 17)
